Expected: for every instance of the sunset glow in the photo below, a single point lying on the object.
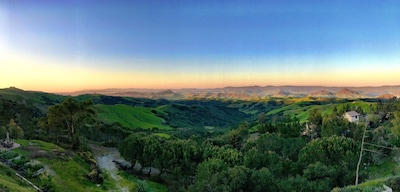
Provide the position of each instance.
(59, 47)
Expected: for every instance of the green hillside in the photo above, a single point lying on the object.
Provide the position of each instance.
(30, 97)
(199, 114)
(128, 116)
(301, 109)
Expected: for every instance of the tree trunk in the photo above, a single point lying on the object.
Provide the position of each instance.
(141, 168)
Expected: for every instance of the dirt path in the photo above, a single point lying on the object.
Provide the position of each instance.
(105, 157)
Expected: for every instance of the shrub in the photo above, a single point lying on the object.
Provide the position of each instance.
(394, 183)
(95, 177)
(19, 162)
(9, 155)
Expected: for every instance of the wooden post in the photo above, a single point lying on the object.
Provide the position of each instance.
(30, 183)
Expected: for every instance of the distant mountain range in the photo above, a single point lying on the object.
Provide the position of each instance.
(251, 92)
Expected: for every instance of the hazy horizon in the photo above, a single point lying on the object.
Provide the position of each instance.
(70, 46)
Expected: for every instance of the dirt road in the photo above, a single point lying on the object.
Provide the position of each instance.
(105, 157)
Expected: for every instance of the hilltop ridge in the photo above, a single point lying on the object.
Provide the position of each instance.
(248, 92)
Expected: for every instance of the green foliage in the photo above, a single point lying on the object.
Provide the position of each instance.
(262, 180)
(335, 154)
(315, 117)
(14, 130)
(201, 113)
(19, 162)
(214, 174)
(284, 147)
(68, 117)
(396, 128)
(10, 182)
(321, 176)
(131, 148)
(141, 187)
(394, 183)
(294, 183)
(94, 175)
(255, 159)
(228, 155)
(7, 155)
(330, 151)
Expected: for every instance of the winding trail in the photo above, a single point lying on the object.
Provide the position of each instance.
(104, 157)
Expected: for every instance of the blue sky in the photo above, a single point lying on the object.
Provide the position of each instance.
(179, 44)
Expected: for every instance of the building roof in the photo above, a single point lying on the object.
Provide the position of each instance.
(352, 113)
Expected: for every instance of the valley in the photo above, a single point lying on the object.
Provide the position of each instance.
(199, 142)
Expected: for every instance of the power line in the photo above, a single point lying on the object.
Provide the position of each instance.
(369, 150)
(386, 147)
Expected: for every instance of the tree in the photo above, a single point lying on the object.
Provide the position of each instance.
(14, 130)
(69, 116)
(262, 180)
(131, 148)
(152, 152)
(321, 176)
(329, 129)
(215, 175)
(261, 118)
(329, 151)
(396, 125)
(230, 156)
(255, 159)
(315, 119)
(333, 153)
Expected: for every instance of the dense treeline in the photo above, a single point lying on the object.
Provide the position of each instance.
(269, 163)
(283, 155)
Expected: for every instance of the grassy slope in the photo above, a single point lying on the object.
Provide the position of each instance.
(31, 97)
(128, 116)
(69, 172)
(131, 182)
(296, 110)
(379, 174)
(8, 180)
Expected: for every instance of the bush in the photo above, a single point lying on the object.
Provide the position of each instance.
(4, 188)
(9, 155)
(34, 167)
(95, 177)
(394, 183)
(19, 162)
(141, 187)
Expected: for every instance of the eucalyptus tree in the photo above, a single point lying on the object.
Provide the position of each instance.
(69, 116)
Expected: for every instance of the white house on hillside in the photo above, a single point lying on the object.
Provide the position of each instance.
(352, 116)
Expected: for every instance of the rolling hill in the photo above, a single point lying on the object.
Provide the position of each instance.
(127, 111)
(249, 92)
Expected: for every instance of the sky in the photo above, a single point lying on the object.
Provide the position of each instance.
(61, 46)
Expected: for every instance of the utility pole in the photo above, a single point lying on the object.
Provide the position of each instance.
(368, 150)
(361, 150)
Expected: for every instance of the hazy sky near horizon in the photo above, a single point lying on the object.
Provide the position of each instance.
(72, 45)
